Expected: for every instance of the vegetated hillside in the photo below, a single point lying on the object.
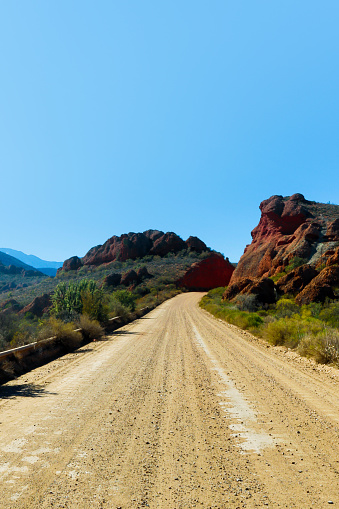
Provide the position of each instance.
(133, 246)
(14, 274)
(118, 287)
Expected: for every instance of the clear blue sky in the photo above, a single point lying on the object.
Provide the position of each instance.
(120, 116)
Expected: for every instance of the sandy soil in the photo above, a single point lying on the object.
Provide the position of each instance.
(176, 410)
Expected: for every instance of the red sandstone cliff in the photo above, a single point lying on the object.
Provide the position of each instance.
(210, 273)
(289, 227)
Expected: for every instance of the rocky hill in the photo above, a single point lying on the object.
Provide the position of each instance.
(203, 275)
(296, 244)
(131, 246)
(289, 227)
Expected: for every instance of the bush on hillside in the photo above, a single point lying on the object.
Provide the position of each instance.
(324, 347)
(91, 329)
(63, 332)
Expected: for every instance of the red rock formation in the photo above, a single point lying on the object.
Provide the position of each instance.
(129, 278)
(297, 279)
(38, 306)
(263, 288)
(143, 273)
(133, 246)
(168, 243)
(73, 263)
(320, 287)
(209, 273)
(330, 257)
(289, 227)
(127, 246)
(195, 244)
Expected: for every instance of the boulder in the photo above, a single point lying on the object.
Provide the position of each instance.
(143, 273)
(129, 278)
(195, 244)
(73, 263)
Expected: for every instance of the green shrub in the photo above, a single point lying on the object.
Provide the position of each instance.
(64, 332)
(125, 298)
(286, 308)
(91, 329)
(330, 314)
(295, 262)
(282, 332)
(278, 276)
(285, 323)
(247, 303)
(324, 347)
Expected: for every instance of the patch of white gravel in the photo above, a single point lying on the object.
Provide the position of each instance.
(236, 407)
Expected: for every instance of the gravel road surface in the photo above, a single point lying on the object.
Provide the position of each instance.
(176, 410)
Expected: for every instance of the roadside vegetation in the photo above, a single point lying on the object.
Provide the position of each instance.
(312, 330)
(86, 303)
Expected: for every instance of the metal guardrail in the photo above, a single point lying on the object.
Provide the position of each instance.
(33, 346)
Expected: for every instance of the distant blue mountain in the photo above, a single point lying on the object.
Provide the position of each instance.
(8, 260)
(32, 260)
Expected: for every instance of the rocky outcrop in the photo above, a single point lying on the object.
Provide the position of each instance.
(296, 280)
(73, 263)
(330, 257)
(133, 277)
(168, 243)
(15, 270)
(129, 278)
(38, 306)
(289, 227)
(143, 274)
(206, 274)
(321, 287)
(262, 288)
(195, 244)
(10, 304)
(135, 245)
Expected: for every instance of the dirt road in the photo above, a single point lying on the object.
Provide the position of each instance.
(176, 410)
